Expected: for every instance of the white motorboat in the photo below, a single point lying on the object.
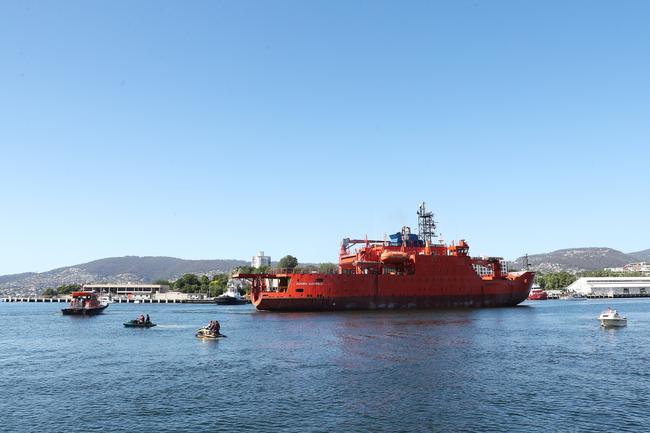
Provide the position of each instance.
(611, 318)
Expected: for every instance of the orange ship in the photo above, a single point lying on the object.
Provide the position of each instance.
(407, 271)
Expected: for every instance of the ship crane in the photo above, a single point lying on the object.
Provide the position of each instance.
(348, 243)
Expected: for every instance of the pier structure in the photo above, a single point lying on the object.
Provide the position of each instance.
(125, 294)
(170, 300)
(33, 299)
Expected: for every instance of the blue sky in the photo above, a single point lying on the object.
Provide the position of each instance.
(216, 129)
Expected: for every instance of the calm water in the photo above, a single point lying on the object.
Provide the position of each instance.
(544, 366)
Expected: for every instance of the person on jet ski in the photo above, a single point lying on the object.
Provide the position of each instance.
(214, 326)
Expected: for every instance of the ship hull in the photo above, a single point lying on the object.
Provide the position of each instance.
(429, 281)
(336, 293)
(385, 303)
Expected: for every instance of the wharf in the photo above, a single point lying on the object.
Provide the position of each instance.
(31, 299)
(617, 295)
(603, 296)
(116, 301)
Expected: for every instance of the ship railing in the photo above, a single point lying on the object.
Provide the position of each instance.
(302, 270)
(273, 273)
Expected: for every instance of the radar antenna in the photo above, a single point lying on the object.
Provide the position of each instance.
(426, 224)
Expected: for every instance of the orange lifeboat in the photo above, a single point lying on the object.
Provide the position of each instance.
(394, 257)
(347, 262)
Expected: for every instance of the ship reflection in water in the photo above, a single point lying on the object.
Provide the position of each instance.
(390, 337)
(542, 366)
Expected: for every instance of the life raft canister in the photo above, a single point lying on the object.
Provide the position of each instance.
(394, 257)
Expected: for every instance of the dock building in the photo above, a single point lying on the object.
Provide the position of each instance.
(611, 287)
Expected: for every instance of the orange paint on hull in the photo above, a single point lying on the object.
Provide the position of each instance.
(440, 282)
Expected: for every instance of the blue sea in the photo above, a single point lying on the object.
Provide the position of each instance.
(542, 366)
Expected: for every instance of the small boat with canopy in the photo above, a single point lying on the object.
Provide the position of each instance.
(84, 303)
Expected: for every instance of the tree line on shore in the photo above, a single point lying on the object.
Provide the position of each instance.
(64, 289)
(290, 263)
(215, 285)
(561, 280)
(187, 283)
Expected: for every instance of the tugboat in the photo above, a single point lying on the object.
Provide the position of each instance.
(231, 296)
(537, 295)
(84, 304)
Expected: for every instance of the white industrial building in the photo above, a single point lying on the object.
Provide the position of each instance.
(611, 287)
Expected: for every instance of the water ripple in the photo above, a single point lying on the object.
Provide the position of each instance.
(544, 367)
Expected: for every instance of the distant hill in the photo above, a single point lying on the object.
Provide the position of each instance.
(134, 269)
(11, 277)
(153, 268)
(581, 259)
(129, 269)
(641, 256)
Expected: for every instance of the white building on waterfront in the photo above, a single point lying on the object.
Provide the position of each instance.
(128, 291)
(611, 287)
(260, 260)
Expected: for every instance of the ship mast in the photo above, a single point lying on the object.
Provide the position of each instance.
(426, 224)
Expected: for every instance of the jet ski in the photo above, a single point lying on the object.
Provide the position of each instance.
(207, 334)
